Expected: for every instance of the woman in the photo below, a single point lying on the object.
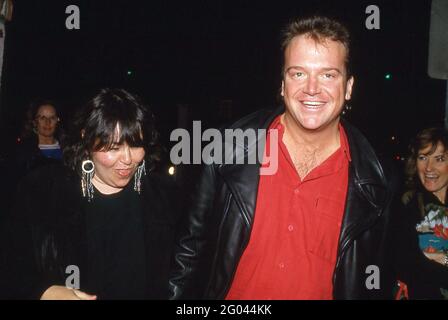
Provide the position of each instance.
(107, 227)
(425, 200)
(39, 143)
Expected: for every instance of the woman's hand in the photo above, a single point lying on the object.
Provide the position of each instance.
(437, 257)
(64, 293)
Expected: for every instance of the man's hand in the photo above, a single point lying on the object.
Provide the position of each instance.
(64, 293)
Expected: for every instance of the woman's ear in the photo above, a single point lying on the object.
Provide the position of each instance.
(82, 133)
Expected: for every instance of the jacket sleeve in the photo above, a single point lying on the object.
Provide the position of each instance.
(184, 283)
(411, 265)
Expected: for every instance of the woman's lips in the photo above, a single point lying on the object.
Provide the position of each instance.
(124, 172)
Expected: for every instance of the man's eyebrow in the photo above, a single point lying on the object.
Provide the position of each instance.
(323, 69)
(332, 69)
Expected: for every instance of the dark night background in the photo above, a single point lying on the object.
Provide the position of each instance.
(206, 53)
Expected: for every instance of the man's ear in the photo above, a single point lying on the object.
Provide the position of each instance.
(348, 90)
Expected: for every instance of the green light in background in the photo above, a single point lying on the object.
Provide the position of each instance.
(129, 72)
(388, 76)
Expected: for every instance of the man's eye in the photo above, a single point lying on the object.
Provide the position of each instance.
(329, 76)
(297, 75)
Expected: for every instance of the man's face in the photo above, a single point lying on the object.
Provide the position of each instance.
(315, 84)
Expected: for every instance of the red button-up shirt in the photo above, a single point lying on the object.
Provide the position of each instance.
(293, 244)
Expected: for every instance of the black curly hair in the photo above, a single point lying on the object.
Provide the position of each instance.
(95, 125)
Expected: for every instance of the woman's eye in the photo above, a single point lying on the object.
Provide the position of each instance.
(440, 159)
(421, 158)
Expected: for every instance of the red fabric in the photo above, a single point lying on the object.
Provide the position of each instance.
(293, 245)
(402, 293)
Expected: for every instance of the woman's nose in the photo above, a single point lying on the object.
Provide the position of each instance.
(126, 155)
(429, 165)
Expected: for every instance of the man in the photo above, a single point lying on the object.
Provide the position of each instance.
(315, 229)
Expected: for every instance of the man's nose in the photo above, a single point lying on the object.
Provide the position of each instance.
(312, 86)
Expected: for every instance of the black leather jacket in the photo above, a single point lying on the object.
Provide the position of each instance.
(222, 214)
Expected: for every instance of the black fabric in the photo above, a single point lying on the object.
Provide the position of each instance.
(218, 226)
(47, 231)
(115, 246)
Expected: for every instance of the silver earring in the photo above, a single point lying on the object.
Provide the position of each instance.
(141, 170)
(88, 168)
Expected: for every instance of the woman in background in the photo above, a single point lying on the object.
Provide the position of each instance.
(40, 141)
(426, 199)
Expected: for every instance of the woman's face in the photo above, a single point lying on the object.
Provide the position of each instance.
(114, 168)
(432, 169)
(46, 121)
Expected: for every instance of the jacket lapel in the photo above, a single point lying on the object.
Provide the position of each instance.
(367, 188)
(243, 179)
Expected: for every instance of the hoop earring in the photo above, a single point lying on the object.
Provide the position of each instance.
(141, 170)
(88, 169)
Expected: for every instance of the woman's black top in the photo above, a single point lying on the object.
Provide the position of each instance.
(115, 243)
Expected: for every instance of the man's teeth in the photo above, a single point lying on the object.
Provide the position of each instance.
(313, 103)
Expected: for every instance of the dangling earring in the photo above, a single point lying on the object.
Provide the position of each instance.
(88, 168)
(141, 170)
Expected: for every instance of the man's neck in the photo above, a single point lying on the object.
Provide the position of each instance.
(308, 149)
(327, 138)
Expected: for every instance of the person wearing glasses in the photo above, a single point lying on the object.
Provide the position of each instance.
(40, 141)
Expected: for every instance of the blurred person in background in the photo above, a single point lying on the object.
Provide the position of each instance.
(40, 141)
